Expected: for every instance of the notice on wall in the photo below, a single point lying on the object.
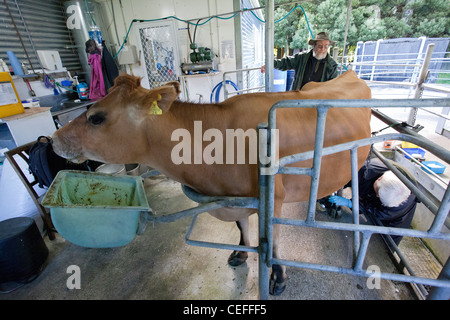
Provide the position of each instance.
(7, 94)
(227, 50)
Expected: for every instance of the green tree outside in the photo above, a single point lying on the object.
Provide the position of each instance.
(369, 20)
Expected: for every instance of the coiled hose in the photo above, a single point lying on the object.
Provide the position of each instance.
(218, 87)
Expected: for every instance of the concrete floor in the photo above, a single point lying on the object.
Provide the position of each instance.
(159, 265)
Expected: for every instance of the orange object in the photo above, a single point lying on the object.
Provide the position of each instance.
(10, 103)
(388, 144)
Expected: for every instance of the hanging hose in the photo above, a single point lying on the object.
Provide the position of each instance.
(219, 87)
(207, 20)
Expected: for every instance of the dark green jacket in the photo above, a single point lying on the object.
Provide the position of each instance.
(298, 63)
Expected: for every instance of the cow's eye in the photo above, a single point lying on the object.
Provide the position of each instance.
(97, 118)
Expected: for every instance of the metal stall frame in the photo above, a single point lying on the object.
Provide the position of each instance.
(264, 203)
(247, 71)
(267, 185)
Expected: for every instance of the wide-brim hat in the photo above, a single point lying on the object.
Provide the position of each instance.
(321, 36)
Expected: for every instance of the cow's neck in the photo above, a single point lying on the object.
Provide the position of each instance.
(180, 116)
(185, 113)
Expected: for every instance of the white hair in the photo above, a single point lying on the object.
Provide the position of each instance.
(391, 190)
(319, 56)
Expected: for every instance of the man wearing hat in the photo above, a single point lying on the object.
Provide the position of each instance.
(315, 65)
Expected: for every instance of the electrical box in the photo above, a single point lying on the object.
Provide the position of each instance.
(128, 55)
(158, 42)
(10, 103)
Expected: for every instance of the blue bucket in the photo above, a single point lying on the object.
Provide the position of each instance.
(279, 80)
(289, 79)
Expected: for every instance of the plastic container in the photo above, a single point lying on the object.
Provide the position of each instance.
(279, 80)
(289, 79)
(96, 210)
(409, 145)
(388, 144)
(66, 83)
(23, 251)
(83, 90)
(31, 103)
(96, 35)
(10, 103)
(414, 152)
(434, 166)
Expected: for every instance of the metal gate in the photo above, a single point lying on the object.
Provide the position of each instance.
(362, 233)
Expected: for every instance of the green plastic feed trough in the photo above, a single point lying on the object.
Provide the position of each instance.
(96, 210)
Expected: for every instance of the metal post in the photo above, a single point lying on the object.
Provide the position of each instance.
(375, 58)
(225, 90)
(318, 147)
(355, 198)
(360, 43)
(442, 213)
(441, 121)
(441, 293)
(362, 253)
(264, 271)
(349, 13)
(336, 54)
(419, 86)
(269, 43)
(443, 283)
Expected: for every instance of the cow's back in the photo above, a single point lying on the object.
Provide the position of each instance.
(297, 128)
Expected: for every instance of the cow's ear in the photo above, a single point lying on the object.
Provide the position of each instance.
(126, 81)
(160, 99)
(174, 84)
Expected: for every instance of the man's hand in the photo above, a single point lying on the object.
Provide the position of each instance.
(340, 201)
(263, 68)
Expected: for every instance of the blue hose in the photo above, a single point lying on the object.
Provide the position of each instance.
(219, 87)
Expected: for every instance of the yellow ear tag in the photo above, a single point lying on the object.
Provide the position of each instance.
(154, 109)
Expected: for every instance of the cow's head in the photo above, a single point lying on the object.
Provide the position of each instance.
(114, 129)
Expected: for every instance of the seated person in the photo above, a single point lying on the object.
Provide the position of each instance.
(382, 194)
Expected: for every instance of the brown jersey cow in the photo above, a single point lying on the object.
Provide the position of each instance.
(189, 143)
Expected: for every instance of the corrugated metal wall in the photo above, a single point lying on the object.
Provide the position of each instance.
(46, 24)
(252, 35)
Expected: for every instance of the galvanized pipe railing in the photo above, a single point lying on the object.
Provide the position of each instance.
(265, 202)
(247, 70)
(267, 205)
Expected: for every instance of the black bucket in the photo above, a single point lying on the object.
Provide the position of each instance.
(22, 250)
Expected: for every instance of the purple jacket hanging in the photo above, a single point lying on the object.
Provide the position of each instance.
(97, 88)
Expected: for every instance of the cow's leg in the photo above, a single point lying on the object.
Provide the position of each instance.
(239, 257)
(278, 278)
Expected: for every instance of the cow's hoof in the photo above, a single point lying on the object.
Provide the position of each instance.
(276, 287)
(237, 258)
(335, 213)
